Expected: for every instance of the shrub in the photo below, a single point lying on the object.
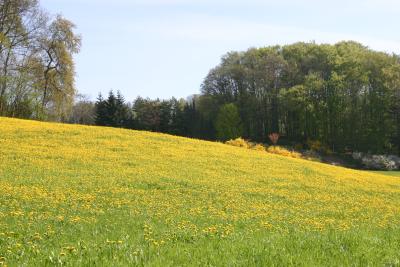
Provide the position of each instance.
(312, 155)
(378, 162)
(258, 147)
(239, 142)
(314, 145)
(317, 146)
(283, 152)
(298, 147)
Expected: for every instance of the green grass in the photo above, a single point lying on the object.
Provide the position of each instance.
(93, 196)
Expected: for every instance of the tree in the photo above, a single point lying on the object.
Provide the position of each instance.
(228, 124)
(392, 82)
(344, 95)
(58, 44)
(21, 22)
(123, 114)
(101, 117)
(113, 111)
(165, 116)
(146, 114)
(177, 126)
(274, 138)
(190, 118)
(36, 64)
(83, 111)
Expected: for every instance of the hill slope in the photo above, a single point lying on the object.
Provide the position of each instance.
(98, 196)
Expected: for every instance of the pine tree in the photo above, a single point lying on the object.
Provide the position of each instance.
(101, 111)
(111, 108)
(122, 115)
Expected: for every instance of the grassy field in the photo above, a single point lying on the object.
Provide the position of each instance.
(390, 173)
(92, 196)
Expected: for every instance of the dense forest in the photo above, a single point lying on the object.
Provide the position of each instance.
(345, 96)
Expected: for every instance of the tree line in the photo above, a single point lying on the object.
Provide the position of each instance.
(168, 116)
(345, 96)
(36, 62)
(178, 117)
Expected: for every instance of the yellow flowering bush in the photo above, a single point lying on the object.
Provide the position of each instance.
(239, 142)
(258, 147)
(283, 152)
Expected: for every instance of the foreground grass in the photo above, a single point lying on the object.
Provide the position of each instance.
(91, 196)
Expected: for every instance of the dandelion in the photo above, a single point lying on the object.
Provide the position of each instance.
(65, 182)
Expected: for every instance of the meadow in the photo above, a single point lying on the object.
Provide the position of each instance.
(391, 173)
(95, 196)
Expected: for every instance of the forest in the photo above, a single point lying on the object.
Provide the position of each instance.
(344, 95)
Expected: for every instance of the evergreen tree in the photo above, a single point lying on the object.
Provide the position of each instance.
(177, 119)
(101, 111)
(190, 119)
(113, 111)
(111, 108)
(165, 116)
(122, 115)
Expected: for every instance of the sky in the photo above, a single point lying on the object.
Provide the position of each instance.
(165, 48)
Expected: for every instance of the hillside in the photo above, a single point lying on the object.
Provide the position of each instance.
(83, 195)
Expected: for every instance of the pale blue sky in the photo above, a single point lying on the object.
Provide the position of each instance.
(164, 48)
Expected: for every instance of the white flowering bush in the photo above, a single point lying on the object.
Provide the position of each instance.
(378, 162)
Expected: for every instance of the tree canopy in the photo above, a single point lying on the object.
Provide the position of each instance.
(344, 95)
(36, 62)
